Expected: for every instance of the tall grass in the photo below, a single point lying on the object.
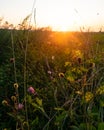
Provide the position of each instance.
(57, 77)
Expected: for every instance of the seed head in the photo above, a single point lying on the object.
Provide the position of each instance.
(61, 74)
(5, 103)
(13, 98)
(12, 60)
(15, 85)
(79, 60)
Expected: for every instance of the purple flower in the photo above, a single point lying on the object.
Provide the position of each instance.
(31, 90)
(20, 106)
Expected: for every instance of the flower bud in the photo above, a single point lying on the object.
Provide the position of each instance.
(20, 106)
(31, 90)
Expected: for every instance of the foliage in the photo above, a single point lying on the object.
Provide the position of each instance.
(64, 80)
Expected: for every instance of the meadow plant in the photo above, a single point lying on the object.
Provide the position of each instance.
(51, 85)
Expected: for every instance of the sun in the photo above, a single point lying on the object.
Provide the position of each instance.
(59, 15)
(63, 28)
(60, 28)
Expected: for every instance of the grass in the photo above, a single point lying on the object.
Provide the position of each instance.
(65, 72)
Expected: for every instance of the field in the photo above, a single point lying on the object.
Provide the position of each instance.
(51, 80)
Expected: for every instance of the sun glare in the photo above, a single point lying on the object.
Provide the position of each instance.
(60, 15)
(66, 15)
(63, 29)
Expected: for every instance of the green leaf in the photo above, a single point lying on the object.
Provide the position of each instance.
(11, 114)
(60, 118)
(35, 122)
(101, 126)
(58, 109)
(86, 126)
(74, 128)
(20, 118)
(101, 103)
(35, 105)
(29, 99)
(39, 101)
(17, 117)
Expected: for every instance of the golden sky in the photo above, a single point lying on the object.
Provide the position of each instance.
(58, 14)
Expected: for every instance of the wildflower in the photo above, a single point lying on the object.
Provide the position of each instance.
(15, 85)
(77, 53)
(70, 78)
(31, 90)
(88, 96)
(67, 64)
(100, 90)
(20, 106)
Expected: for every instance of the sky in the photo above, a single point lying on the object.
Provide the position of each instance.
(61, 15)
